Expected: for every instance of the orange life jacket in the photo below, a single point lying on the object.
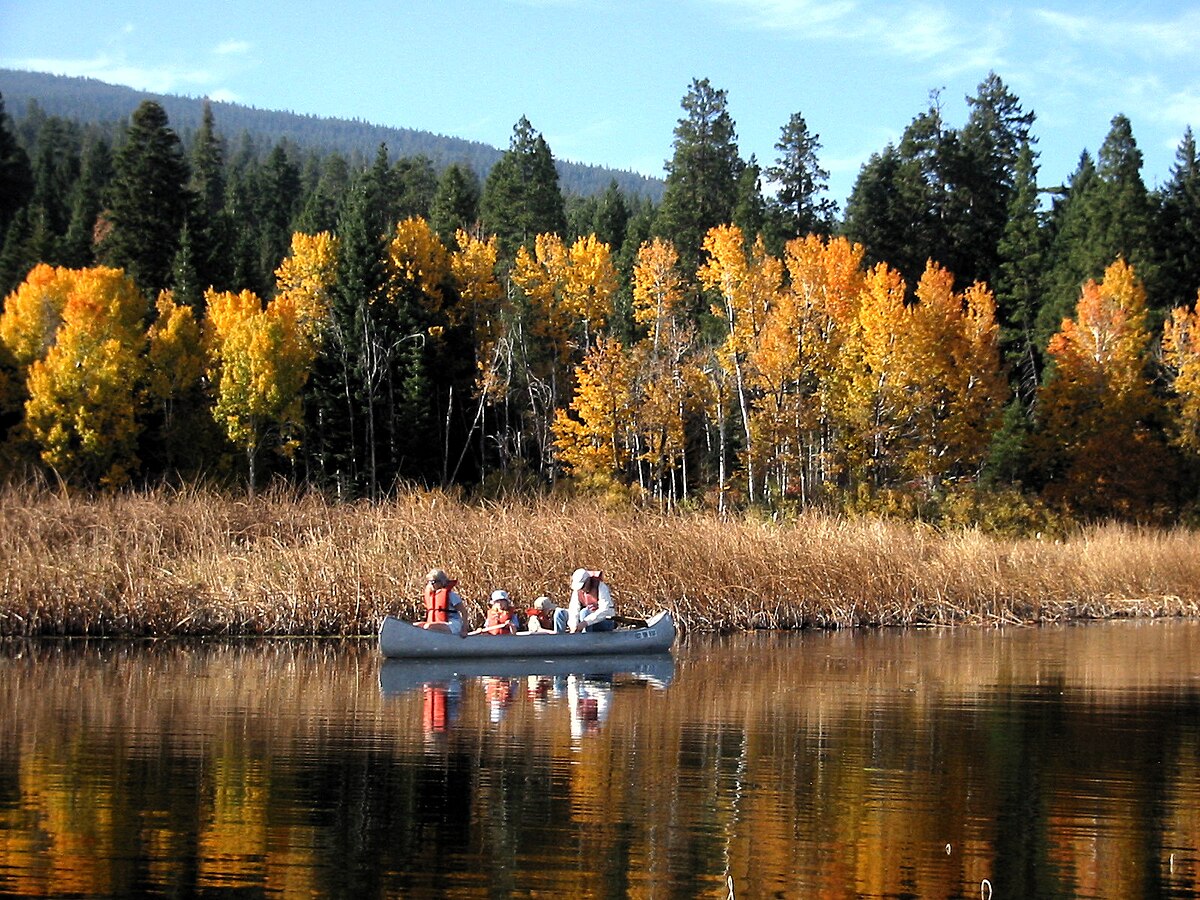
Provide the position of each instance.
(437, 602)
(545, 618)
(498, 622)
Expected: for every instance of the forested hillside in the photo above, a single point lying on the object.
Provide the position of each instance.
(960, 345)
(88, 101)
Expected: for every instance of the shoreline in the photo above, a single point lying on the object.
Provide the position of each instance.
(197, 563)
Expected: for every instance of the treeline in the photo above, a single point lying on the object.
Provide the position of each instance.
(950, 348)
(105, 108)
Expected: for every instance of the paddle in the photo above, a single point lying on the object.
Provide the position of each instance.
(630, 620)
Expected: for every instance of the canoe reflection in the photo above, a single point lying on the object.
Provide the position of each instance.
(396, 676)
(584, 683)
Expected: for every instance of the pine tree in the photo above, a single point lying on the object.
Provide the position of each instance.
(521, 197)
(1178, 228)
(799, 204)
(991, 144)
(1019, 278)
(148, 200)
(455, 203)
(95, 172)
(702, 176)
(208, 228)
(16, 175)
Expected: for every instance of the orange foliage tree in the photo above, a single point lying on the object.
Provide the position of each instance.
(1095, 446)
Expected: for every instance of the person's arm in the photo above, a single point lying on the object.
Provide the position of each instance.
(604, 606)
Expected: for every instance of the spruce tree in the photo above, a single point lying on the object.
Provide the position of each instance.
(148, 200)
(1123, 214)
(277, 200)
(1069, 257)
(750, 210)
(702, 176)
(322, 203)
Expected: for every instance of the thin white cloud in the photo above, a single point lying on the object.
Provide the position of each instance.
(157, 79)
(1163, 37)
(223, 95)
(929, 33)
(809, 17)
(232, 48)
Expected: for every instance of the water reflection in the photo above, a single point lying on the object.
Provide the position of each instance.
(1050, 762)
(582, 686)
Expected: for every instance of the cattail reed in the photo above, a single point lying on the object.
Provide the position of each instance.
(195, 562)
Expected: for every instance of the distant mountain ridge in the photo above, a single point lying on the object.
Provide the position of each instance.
(88, 100)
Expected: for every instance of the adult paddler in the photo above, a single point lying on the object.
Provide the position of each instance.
(443, 605)
(590, 607)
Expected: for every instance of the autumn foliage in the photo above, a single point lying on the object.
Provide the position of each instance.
(808, 377)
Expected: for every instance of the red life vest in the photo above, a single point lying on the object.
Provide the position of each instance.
(545, 618)
(437, 602)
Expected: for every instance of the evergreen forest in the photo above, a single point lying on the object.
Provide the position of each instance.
(960, 343)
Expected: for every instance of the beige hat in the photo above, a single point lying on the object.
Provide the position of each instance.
(438, 577)
(543, 604)
(579, 578)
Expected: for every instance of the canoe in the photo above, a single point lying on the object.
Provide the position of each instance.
(397, 676)
(399, 639)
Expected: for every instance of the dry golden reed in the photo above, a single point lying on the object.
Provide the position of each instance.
(195, 561)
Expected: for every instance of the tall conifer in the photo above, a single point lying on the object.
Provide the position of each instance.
(148, 200)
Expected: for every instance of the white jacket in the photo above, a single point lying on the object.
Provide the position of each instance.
(577, 612)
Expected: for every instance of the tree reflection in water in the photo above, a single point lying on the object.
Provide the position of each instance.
(1050, 762)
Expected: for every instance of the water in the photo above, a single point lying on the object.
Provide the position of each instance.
(1060, 762)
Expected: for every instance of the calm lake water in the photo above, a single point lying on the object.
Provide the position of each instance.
(1017, 763)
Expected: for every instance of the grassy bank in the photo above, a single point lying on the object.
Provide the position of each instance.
(195, 562)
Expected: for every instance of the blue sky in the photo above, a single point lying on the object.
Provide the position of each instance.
(603, 79)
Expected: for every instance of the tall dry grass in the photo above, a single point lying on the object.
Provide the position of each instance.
(193, 561)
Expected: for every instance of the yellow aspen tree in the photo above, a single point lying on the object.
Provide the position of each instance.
(1181, 358)
(82, 406)
(824, 288)
(873, 401)
(747, 284)
(658, 293)
(175, 369)
(592, 444)
(1096, 449)
(417, 259)
(259, 362)
(569, 300)
(591, 283)
(307, 275)
(33, 312)
(663, 362)
(473, 269)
